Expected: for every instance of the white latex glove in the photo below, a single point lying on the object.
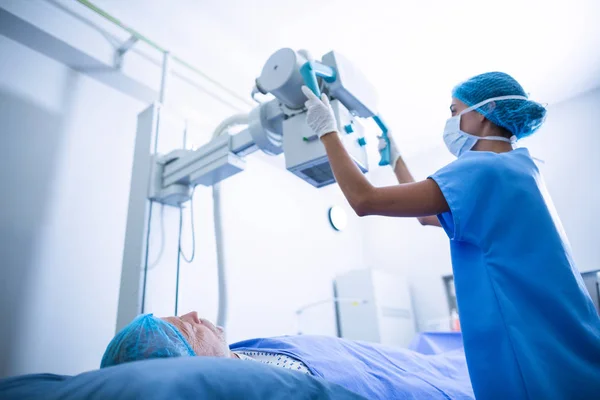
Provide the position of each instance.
(394, 153)
(319, 115)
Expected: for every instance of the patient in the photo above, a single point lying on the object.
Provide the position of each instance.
(372, 370)
(151, 337)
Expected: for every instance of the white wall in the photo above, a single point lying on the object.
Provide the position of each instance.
(64, 173)
(569, 143)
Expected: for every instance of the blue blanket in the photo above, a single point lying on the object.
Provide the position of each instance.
(372, 370)
(436, 342)
(179, 378)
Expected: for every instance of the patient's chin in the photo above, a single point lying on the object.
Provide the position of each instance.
(224, 345)
(215, 350)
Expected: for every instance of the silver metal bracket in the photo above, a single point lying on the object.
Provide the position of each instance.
(172, 195)
(174, 175)
(123, 49)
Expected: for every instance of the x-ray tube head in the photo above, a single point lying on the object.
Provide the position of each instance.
(305, 155)
(351, 96)
(281, 77)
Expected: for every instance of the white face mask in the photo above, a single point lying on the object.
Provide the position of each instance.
(459, 142)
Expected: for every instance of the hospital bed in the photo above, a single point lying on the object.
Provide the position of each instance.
(176, 378)
(220, 378)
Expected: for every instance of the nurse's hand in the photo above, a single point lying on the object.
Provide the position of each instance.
(403, 174)
(319, 115)
(394, 153)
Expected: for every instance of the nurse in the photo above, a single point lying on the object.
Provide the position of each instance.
(530, 329)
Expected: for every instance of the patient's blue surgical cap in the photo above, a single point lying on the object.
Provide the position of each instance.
(146, 337)
(520, 117)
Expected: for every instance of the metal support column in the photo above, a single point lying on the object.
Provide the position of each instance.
(164, 79)
(135, 251)
(134, 270)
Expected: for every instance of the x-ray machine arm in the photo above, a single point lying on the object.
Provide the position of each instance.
(275, 127)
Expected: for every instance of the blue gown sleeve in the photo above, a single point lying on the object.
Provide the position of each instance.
(467, 185)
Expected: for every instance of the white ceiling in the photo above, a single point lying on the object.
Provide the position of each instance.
(413, 51)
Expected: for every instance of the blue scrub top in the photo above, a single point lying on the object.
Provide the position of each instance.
(529, 326)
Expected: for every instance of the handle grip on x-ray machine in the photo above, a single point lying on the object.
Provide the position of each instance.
(386, 151)
(311, 70)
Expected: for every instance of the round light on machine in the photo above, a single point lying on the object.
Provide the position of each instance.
(338, 218)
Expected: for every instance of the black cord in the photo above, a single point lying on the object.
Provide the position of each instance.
(146, 261)
(178, 262)
(179, 239)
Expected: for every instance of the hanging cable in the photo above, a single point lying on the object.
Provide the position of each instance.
(253, 94)
(145, 275)
(162, 239)
(178, 263)
(180, 253)
(191, 259)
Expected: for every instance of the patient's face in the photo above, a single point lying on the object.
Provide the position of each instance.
(203, 336)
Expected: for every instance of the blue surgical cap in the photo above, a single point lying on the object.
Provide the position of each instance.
(520, 117)
(146, 337)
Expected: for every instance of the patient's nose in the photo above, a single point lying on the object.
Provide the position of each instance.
(192, 316)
